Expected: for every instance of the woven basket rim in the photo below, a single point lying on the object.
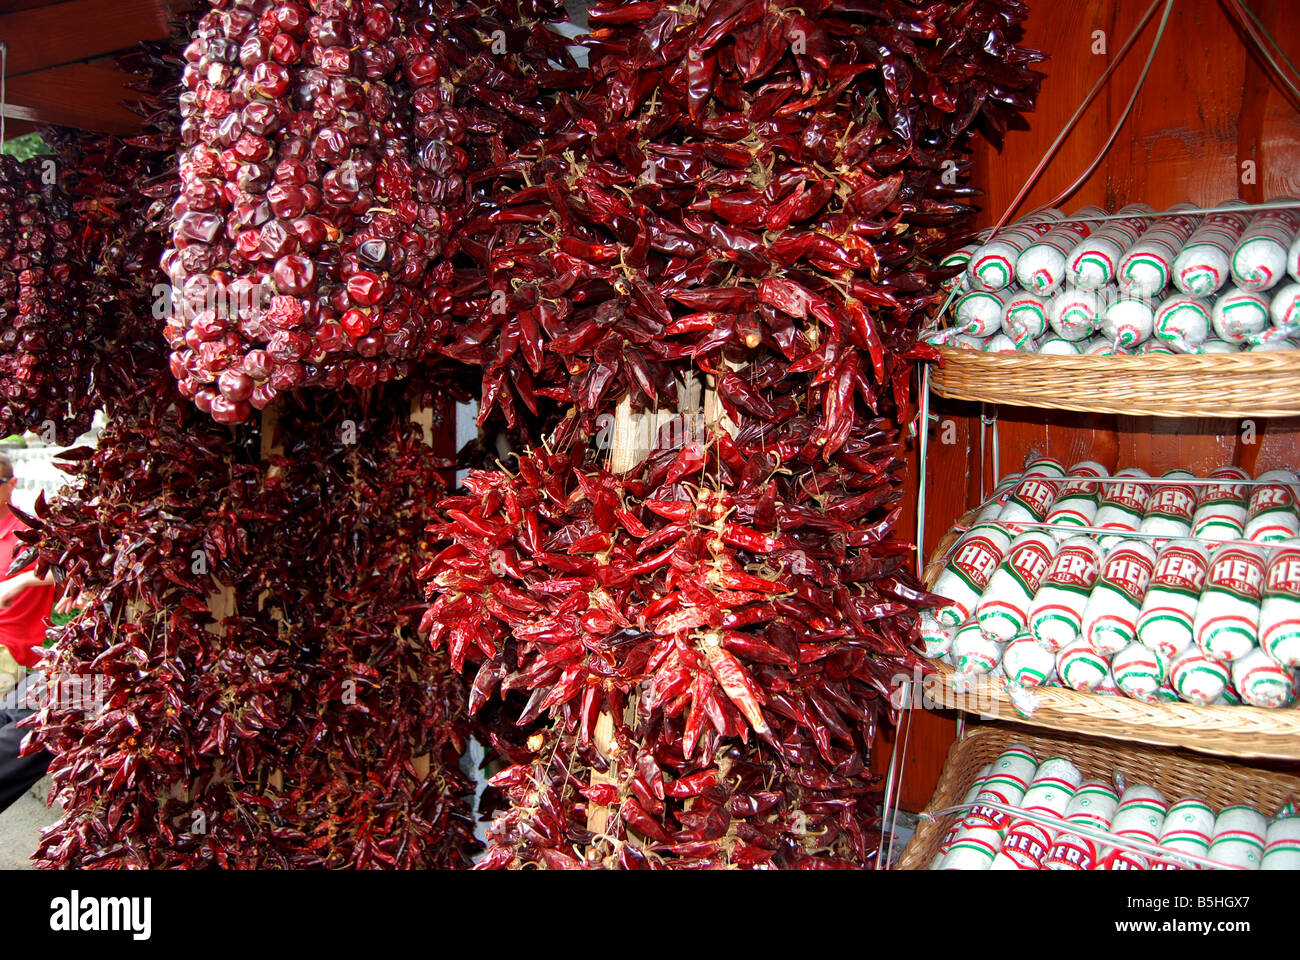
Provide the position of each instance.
(1180, 385)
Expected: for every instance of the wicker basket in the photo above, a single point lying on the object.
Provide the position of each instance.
(1174, 773)
(1223, 731)
(1265, 384)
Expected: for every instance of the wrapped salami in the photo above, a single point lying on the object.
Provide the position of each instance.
(1267, 342)
(1200, 680)
(1221, 509)
(1025, 319)
(1260, 258)
(1103, 346)
(1239, 315)
(1141, 816)
(1140, 672)
(1170, 508)
(1262, 681)
(1123, 503)
(1154, 348)
(958, 259)
(1279, 611)
(1027, 843)
(1282, 844)
(1110, 619)
(974, 558)
(1056, 615)
(1076, 504)
(973, 653)
(1041, 267)
(1284, 309)
(1081, 668)
(1034, 495)
(1075, 313)
(1239, 837)
(1215, 345)
(973, 848)
(1271, 517)
(1128, 321)
(1003, 610)
(936, 637)
(980, 312)
(993, 265)
(1147, 265)
(1005, 784)
(1204, 264)
(1027, 664)
(971, 793)
(1187, 829)
(1094, 262)
(1227, 617)
(994, 506)
(1169, 608)
(1057, 347)
(1093, 805)
(1183, 322)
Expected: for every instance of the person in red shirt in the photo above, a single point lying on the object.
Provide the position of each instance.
(25, 604)
(26, 600)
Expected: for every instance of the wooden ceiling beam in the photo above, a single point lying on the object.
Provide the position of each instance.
(19, 128)
(84, 95)
(75, 30)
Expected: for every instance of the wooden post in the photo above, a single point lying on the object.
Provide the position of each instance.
(632, 439)
(270, 421)
(423, 416)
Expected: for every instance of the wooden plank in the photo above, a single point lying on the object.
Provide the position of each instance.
(12, 6)
(19, 128)
(84, 95)
(76, 30)
(424, 417)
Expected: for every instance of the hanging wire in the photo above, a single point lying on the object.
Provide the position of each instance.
(1282, 53)
(1269, 38)
(1255, 32)
(1070, 124)
(907, 688)
(1128, 108)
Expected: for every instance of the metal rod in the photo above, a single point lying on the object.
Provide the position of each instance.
(922, 455)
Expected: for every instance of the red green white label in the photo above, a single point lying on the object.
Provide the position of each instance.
(1177, 502)
(1237, 571)
(1035, 496)
(1180, 569)
(976, 559)
(1074, 567)
(1129, 572)
(1131, 497)
(1284, 574)
(1029, 562)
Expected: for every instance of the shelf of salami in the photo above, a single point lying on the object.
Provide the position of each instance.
(1013, 799)
(1179, 313)
(1164, 609)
